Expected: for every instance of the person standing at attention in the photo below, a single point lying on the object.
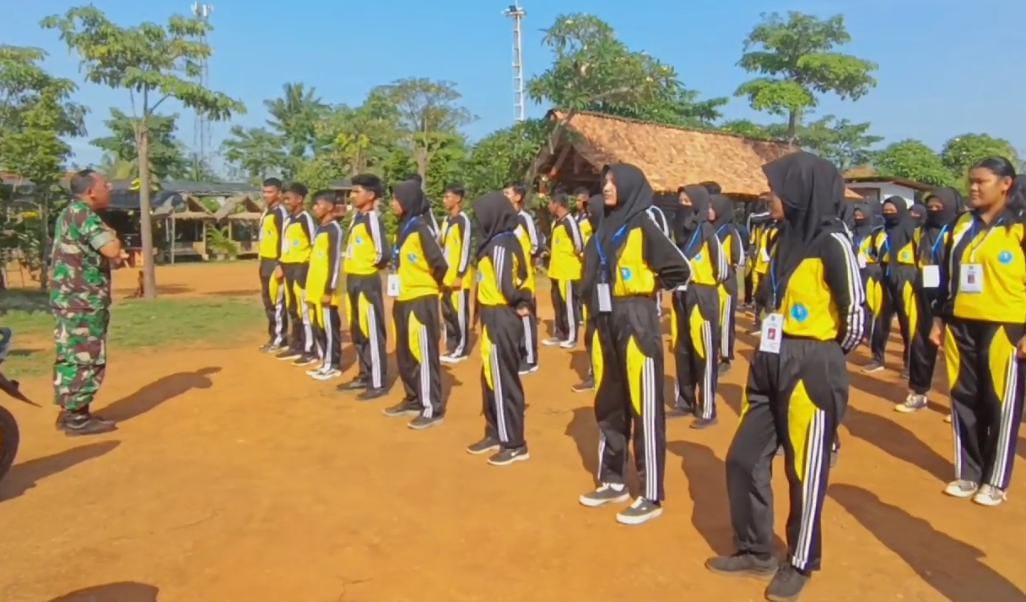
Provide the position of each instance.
(272, 278)
(734, 252)
(323, 290)
(527, 234)
(367, 253)
(84, 250)
(459, 278)
(419, 267)
(297, 240)
(564, 272)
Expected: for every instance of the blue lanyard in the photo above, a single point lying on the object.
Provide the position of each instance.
(691, 243)
(937, 244)
(407, 229)
(618, 237)
(773, 282)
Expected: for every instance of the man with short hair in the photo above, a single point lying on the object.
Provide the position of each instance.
(323, 293)
(581, 196)
(272, 291)
(297, 242)
(84, 250)
(564, 272)
(458, 279)
(527, 234)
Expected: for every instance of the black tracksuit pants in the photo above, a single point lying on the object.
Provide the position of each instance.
(922, 355)
(502, 393)
(456, 313)
(696, 345)
(327, 330)
(628, 363)
(295, 293)
(728, 322)
(272, 293)
(793, 399)
(416, 351)
(898, 299)
(986, 398)
(564, 305)
(367, 326)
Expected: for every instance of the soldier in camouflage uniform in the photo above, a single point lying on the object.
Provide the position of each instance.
(84, 249)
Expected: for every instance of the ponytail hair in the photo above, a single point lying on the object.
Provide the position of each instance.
(1000, 166)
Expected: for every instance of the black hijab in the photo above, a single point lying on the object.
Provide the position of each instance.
(634, 197)
(812, 191)
(866, 227)
(918, 213)
(411, 198)
(724, 208)
(690, 219)
(951, 206)
(596, 211)
(899, 228)
(495, 216)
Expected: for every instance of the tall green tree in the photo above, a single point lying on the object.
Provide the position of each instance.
(167, 154)
(294, 118)
(36, 115)
(913, 160)
(153, 63)
(797, 60)
(961, 152)
(844, 143)
(504, 156)
(255, 152)
(361, 139)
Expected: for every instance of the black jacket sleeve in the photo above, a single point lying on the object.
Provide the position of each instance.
(432, 252)
(334, 257)
(841, 270)
(663, 257)
(716, 255)
(503, 257)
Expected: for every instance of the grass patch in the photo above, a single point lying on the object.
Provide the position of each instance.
(135, 324)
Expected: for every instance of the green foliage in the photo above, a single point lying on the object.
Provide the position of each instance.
(294, 118)
(256, 153)
(797, 61)
(844, 143)
(962, 152)
(167, 153)
(220, 243)
(504, 156)
(913, 160)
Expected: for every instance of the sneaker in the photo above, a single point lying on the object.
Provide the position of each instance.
(703, 423)
(64, 415)
(947, 419)
(640, 512)
(724, 367)
(403, 408)
(509, 456)
(422, 422)
(328, 374)
(743, 565)
(528, 369)
(962, 489)
(288, 355)
(605, 494)
(372, 394)
(360, 382)
(568, 345)
(587, 384)
(307, 359)
(988, 495)
(78, 424)
(871, 367)
(453, 359)
(273, 348)
(913, 403)
(681, 409)
(552, 342)
(315, 371)
(267, 347)
(787, 584)
(484, 446)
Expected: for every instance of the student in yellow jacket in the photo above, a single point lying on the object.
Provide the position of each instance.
(530, 242)
(734, 252)
(982, 307)
(296, 243)
(581, 197)
(567, 245)
(459, 278)
(418, 266)
(899, 275)
(272, 278)
(323, 286)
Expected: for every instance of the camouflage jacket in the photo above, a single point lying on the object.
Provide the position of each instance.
(79, 278)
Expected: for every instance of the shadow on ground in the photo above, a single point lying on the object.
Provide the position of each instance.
(125, 591)
(26, 475)
(159, 391)
(583, 431)
(897, 441)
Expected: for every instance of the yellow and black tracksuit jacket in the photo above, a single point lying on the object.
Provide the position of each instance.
(501, 269)
(565, 265)
(734, 252)
(420, 265)
(805, 387)
(367, 252)
(584, 225)
(765, 241)
(899, 278)
(928, 247)
(456, 243)
(530, 244)
(983, 302)
(296, 246)
(272, 293)
(323, 280)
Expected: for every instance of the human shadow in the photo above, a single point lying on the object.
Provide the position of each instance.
(580, 363)
(23, 352)
(163, 389)
(897, 441)
(234, 293)
(583, 430)
(707, 485)
(26, 475)
(951, 567)
(449, 380)
(124, 591)
(732, 395)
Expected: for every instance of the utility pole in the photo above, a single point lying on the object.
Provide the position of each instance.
(517, 13)
(201, 126)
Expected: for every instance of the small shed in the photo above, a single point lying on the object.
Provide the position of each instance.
(241, 215)
(876, 189)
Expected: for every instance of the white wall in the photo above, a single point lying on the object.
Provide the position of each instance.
(885, 190)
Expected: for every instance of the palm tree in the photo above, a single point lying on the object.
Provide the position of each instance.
(256, 152)
(294, 117)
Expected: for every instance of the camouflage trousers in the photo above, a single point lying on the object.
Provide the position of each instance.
(81, 342)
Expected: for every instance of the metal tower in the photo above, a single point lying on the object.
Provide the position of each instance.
(517, 13)
(201, 125)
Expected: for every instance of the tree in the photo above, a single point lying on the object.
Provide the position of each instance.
(167, 155)
(797, 61)
(504, 155)
(363, 138)
(255, 152)
(844, 143)
(429, 117)
(294, 118)
(36, 113)
(961, 152)
(154, 63)
(912, 160)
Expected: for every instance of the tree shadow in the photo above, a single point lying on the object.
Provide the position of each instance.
(897, 441)
(24, 476)
(124, 591)
(951, 567)
(22, 352)
(584, 431)
(234, 293)
(159, 391)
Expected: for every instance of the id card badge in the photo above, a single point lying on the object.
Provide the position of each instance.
(392, 286)
(931, 276)
(971, 278)
(772, 333)
(605, 299)
(862, 261)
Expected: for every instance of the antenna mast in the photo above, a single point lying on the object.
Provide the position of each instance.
(517, 13)
(201, 127)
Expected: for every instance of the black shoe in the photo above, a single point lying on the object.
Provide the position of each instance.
(79, 424)
(509, 456)
(289, 355)
(372, 394)
(422, 422)
(787, 585)
(724, 367)
(640, 512)
(681, 410)
(356, 384)
(63, 415)
(743, 565)
(307, 359)
(703, 423)
(403, 408)
(483, 446)
(872, 367)
(584, 386)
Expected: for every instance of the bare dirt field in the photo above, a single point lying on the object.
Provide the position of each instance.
(234, 477)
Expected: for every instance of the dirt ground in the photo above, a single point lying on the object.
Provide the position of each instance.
(235, 477)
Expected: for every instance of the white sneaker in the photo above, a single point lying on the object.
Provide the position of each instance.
(315, 371)
(913, 403)
(568, 344)
(328, 374)
(552, 342)
(605, 494)
(445, 358)
(453, 359)
(988, 495)
(962, 489)
(640, 512)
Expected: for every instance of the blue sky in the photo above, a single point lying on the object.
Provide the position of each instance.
(947, 67)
